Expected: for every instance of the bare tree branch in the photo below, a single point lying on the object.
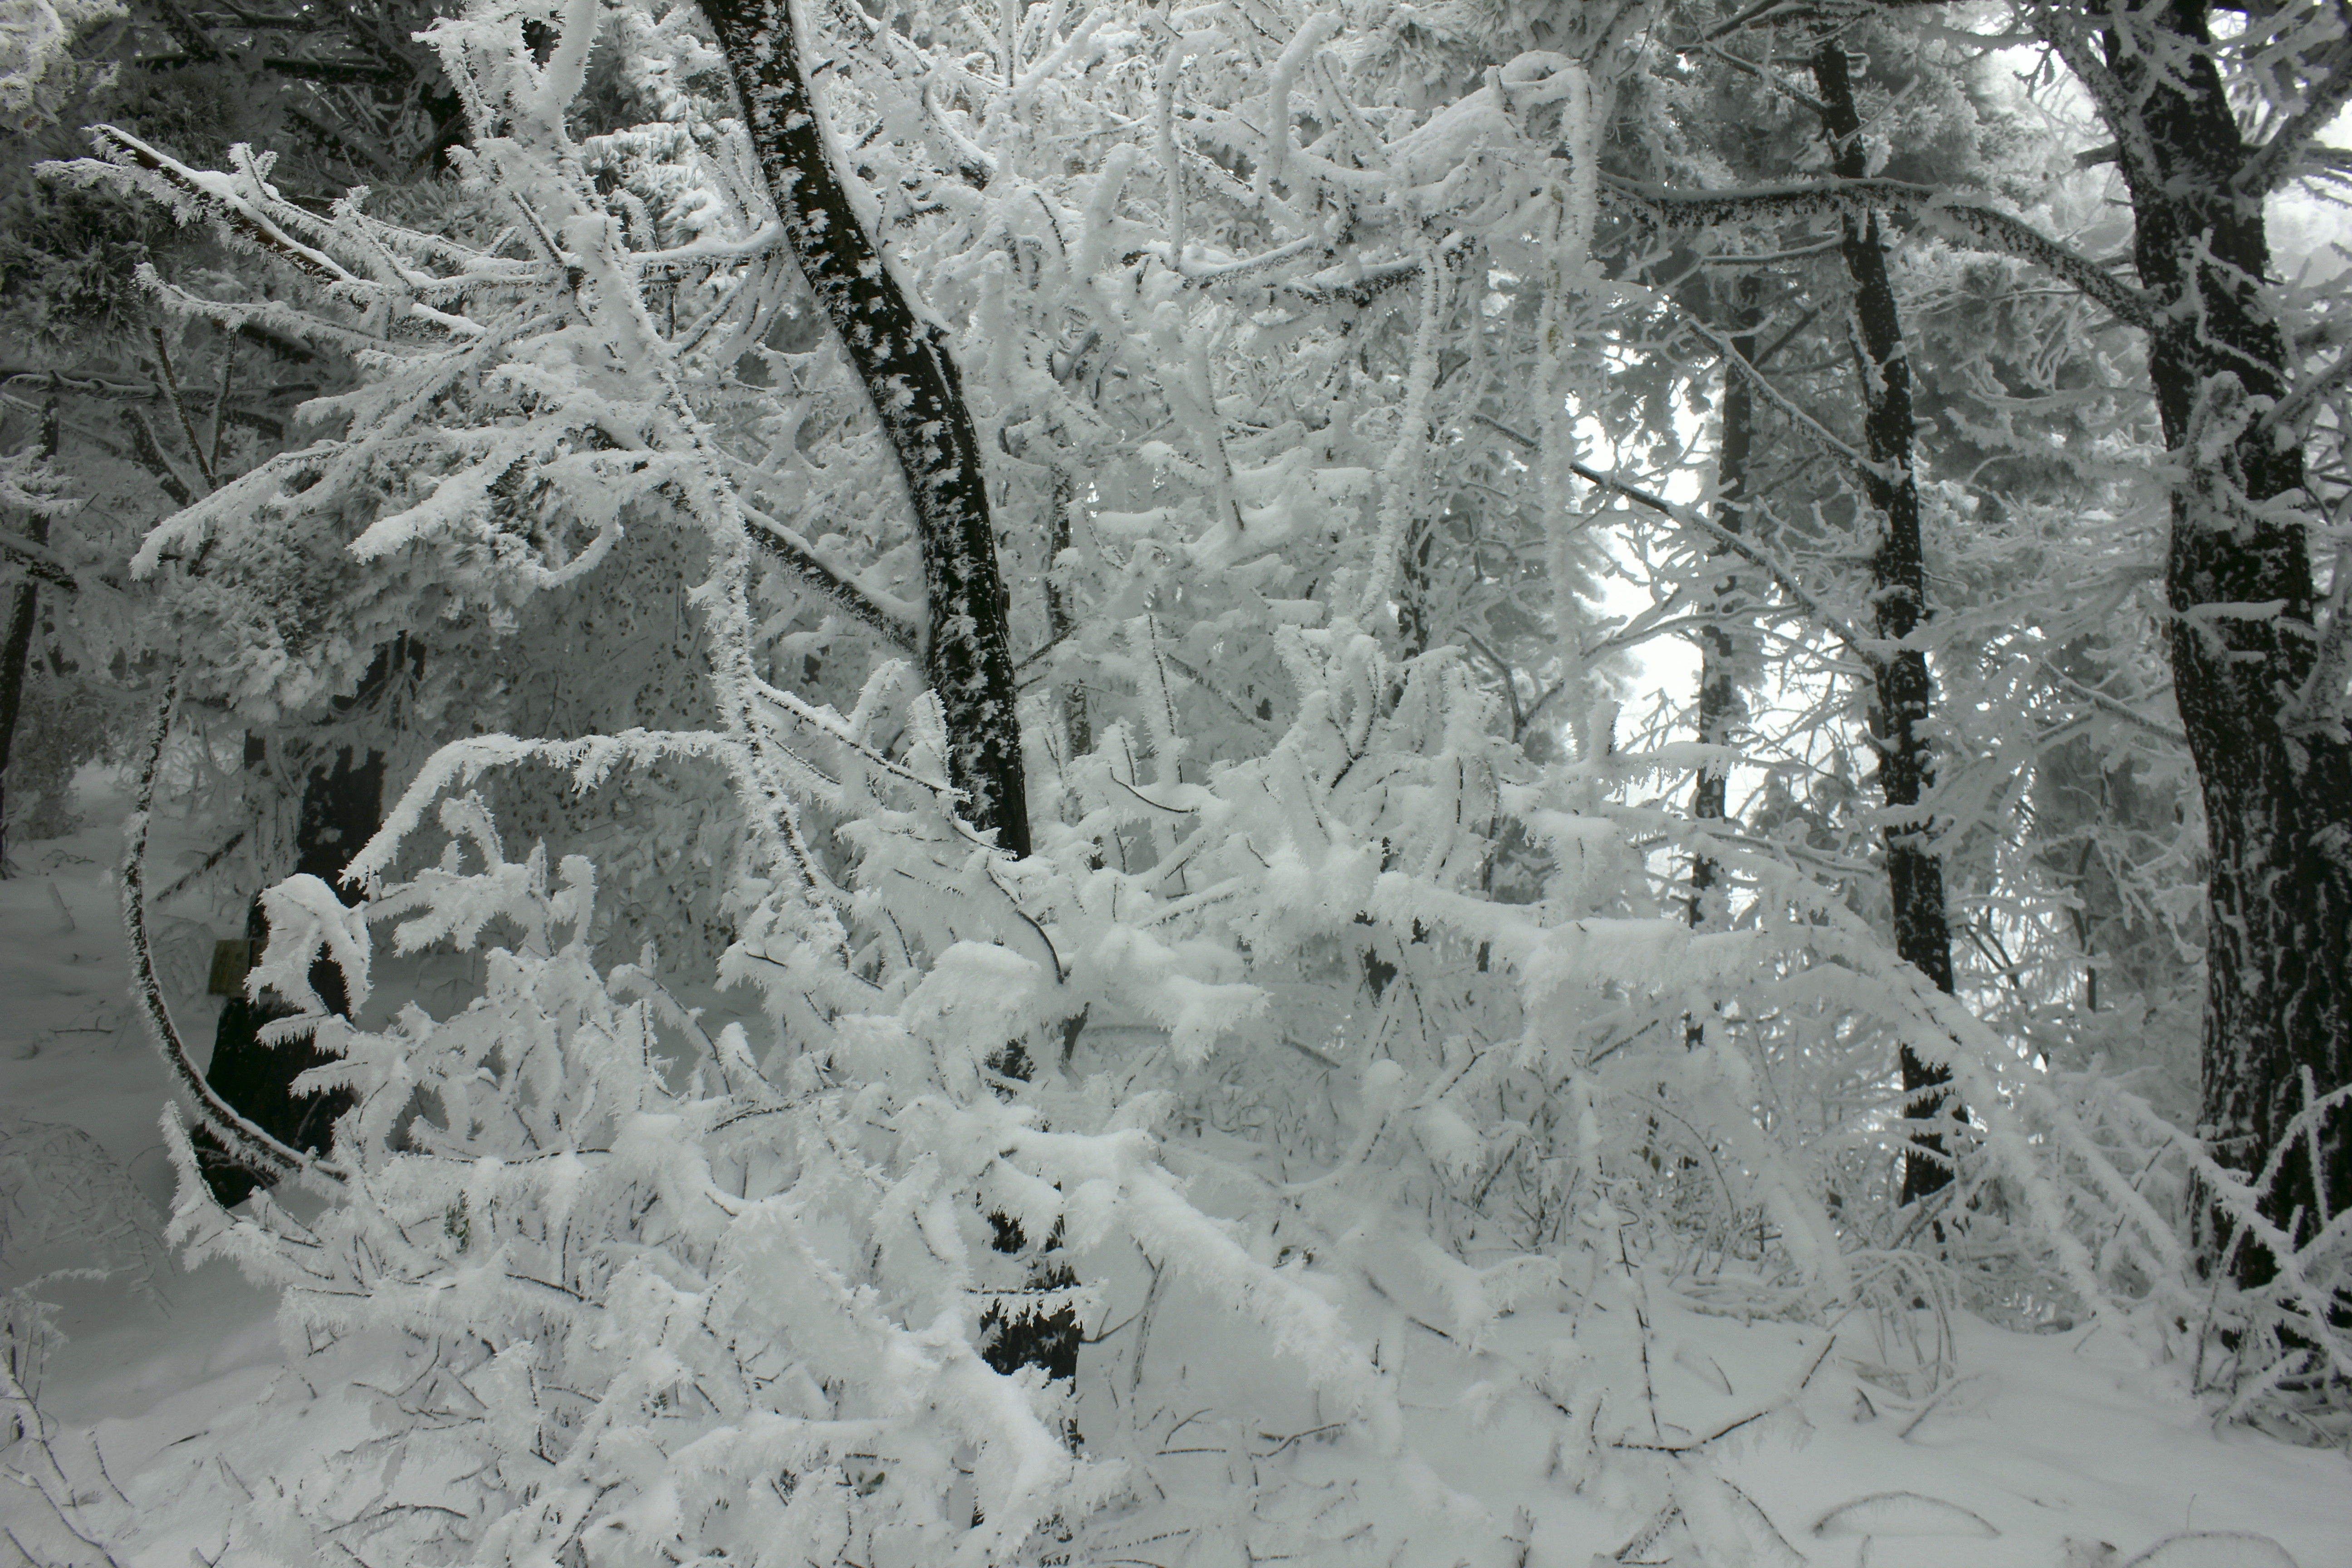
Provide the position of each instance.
(1979, 227)
(1739, 544)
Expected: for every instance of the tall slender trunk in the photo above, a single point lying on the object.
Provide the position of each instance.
(1078, 726)
(912, 380)
(1914, 877)
(1721, 709)
(912, 383)
(2278, 796)
(16, 643)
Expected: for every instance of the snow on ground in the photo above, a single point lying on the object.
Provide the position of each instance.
(2051, 1451)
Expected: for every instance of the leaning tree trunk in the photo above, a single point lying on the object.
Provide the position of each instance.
(1914, 877)
(16, 642)
(912, 383)
(2277, 796)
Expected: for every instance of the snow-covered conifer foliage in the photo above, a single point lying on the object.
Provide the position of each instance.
(1311, 986)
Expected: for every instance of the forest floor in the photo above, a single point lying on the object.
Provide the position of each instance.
(2061, 1450)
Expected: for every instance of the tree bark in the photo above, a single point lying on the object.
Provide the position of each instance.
(1914, 877)
(912, 383)
(2278, 798)
(912, 380)
(16, 643)
(1078, 726)
(1721, 709)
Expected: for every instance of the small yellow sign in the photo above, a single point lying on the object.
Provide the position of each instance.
(231, 960)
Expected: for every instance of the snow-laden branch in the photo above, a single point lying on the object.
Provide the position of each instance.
(796, 555)
(237, 207)
(2276, 161)
(588, 759)
(966, 158)
(38, 560)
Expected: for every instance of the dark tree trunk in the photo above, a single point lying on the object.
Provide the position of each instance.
(16, 644)
(15, 653)
(912, 383)
(1722, 710)
(1013, 1336)
(1078, 726)
(1914, 877)
(342, 805)
(2278, 800)
(1414, 626)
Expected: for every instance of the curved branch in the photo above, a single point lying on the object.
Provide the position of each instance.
(1975, 227)
(248, 1144)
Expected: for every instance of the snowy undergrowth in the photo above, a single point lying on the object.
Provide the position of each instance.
(1598, 1413)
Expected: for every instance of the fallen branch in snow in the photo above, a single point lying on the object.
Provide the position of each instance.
(46, 1479)
(1975, 1383)
(1902, 1513)
(1736, 1424)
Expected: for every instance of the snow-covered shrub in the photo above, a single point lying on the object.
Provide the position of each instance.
(659, 1302)
(2105, 1218)
(660, 1290)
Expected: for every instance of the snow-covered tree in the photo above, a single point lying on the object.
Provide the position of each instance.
(1196, 935)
